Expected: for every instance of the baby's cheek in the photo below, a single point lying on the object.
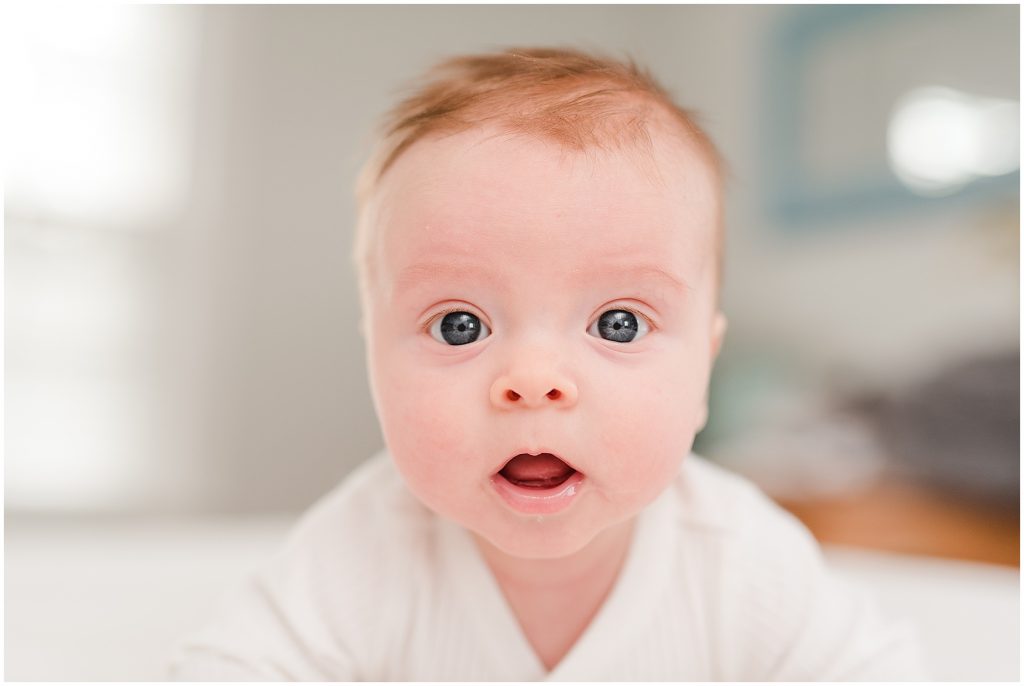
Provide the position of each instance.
(654, 427)
(427, 427)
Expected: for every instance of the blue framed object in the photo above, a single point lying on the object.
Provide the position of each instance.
(793, 198)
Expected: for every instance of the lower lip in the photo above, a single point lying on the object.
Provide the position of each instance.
(538, 501)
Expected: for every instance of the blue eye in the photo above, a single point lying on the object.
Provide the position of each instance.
(458, 328)
(619, 326)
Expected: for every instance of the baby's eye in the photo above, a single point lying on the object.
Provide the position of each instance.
(621, 326)
(458, 328)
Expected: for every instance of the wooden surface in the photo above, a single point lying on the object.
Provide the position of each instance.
(904, 518)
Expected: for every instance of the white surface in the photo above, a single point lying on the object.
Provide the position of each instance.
(967, 614)
(106, 600)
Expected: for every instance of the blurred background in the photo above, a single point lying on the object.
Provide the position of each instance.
(184, 373)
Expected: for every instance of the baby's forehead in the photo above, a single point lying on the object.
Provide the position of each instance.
(520, 205)
(583, 276)
(511, 205)
(492, 168)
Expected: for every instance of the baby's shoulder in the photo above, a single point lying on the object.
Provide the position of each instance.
(354, 562)
(324, 602)
(717, 502)
(368, 515)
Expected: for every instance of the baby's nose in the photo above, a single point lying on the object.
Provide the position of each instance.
(549, 390)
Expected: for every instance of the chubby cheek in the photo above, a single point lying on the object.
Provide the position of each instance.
(429, 427)
(651, 414)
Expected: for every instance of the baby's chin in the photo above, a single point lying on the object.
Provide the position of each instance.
(532, 537)
(552, 537)
(536, 539)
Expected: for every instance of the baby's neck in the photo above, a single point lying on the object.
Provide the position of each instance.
(555, 600)
(601, 559)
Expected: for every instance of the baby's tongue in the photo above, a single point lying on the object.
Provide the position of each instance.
(537, 471)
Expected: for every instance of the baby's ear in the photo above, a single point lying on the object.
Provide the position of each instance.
(718, 328)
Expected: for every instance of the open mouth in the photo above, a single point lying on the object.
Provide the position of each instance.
(543, 484)
(537, 471)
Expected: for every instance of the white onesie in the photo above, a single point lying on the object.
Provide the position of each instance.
(719, 584)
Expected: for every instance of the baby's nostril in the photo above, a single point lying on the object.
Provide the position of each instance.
(554, 394)
(511, 395)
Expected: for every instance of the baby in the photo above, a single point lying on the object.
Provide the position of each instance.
(539, 254)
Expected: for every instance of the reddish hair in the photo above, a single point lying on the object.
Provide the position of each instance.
(575, 99)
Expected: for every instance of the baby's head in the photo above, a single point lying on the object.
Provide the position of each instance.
(538, 252)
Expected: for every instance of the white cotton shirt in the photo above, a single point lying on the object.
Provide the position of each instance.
(719, 584)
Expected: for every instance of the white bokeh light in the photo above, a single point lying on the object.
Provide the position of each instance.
(97, 145)
(98, 112)
(940, 139)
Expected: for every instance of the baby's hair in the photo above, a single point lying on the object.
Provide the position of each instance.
(575, 99)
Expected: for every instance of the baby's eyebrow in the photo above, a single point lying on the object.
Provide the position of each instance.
(636, 272)
(423, 272)
(417, 274)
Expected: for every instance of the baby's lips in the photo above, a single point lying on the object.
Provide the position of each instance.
(536, 468)
(536, 455)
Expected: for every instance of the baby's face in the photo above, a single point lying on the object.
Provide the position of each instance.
(581, 322)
